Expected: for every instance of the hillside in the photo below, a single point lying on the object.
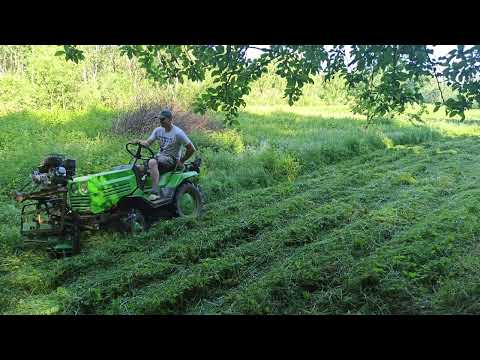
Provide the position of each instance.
(307, 213)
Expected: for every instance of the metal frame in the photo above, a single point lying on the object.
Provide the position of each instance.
(42, 197)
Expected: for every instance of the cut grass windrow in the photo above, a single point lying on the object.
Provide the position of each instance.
(103, 256)
(332, 277)
(141, 268)
(302, 230)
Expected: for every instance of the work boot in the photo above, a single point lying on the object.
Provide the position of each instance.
(153, 196)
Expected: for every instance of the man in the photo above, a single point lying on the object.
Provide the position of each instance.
(171, 139)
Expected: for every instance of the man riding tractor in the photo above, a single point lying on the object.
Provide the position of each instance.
(171, 139)
(60, 205)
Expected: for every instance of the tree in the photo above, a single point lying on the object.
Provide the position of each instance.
(12, 57)
(384, 78)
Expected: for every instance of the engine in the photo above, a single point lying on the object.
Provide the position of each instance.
(54, 170)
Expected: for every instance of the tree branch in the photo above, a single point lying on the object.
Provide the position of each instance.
(434, 73)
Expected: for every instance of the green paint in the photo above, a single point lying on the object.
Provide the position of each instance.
(98, 193)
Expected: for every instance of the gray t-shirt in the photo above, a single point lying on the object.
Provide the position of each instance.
(170, 142)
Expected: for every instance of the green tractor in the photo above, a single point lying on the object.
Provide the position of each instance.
(62, 205)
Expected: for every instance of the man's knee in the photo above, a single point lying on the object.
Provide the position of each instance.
(152, 163)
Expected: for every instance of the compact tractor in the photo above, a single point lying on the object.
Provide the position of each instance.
(62, 205)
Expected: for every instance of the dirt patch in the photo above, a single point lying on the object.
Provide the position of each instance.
(141, 120)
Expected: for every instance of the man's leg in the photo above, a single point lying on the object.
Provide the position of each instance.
(165, 163)
(153, 166)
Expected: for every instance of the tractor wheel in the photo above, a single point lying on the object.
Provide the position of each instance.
(188, 201)
(70, 244)
(76, 239)
(135, 222)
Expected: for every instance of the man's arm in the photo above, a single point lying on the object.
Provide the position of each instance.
(147, 142)
(188, 153)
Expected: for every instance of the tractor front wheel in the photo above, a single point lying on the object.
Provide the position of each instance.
(70, 241)
(135, 222)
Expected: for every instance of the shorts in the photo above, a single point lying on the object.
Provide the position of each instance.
(165, 162)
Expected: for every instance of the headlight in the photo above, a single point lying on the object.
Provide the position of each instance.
(74, 188)
(83, 188)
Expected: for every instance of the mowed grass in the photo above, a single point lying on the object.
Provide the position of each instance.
(307, 212)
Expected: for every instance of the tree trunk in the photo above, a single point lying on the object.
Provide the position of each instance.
(95, 64)
(113, 62)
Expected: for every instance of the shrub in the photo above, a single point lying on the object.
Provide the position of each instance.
(140, 120)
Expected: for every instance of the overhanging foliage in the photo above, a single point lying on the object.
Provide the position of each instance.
(384, 78)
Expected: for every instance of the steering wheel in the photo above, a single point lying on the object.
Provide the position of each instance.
(138, 154)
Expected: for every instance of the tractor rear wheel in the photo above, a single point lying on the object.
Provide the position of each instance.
(188, 201)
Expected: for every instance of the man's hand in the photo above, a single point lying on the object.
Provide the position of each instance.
(141, 142)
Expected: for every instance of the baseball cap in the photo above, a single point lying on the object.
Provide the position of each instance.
(165, 114)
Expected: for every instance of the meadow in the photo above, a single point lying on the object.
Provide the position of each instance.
(307, 212)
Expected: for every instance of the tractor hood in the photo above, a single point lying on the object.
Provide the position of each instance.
(99, 192)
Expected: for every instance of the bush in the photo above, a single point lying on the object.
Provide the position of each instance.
(270, 90)
(16, 93)
(141, 120)
(280, 165)
(227, 140)
(55, 82)
(431, 94)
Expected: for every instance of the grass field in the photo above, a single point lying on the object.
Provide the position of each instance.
(307, 212)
